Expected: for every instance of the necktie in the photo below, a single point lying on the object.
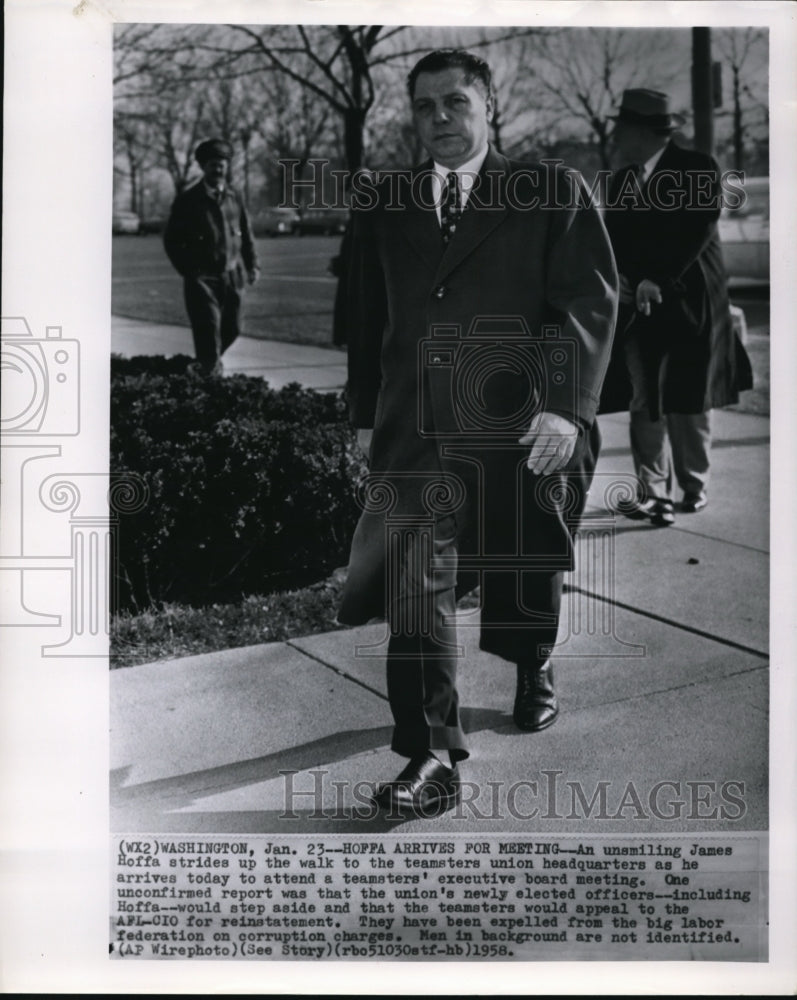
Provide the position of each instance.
(451, 207)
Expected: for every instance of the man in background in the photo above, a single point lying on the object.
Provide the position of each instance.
(209, 241)
(675, 340)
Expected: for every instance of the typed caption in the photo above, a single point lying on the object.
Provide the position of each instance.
(496, 897)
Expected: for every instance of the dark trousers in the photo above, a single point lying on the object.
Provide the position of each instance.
(213, 304)
(520, 607)
(422, 662)
(422, 652)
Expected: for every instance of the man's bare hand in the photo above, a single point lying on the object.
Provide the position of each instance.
(626, 291)
(364, 436)
(647, 291)
(253, 274)
(553, 441)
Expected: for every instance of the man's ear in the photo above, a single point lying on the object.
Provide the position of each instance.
(490, 107)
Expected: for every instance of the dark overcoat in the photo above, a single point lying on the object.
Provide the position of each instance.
(452, 349)
(666, 231)
(205, 238)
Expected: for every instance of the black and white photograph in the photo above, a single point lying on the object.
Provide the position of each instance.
(389, 498)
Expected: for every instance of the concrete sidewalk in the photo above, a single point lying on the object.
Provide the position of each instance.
(661, 673)
(276, 361)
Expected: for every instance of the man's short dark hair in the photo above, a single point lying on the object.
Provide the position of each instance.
(435, 62)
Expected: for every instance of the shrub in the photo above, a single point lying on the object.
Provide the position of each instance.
(250, 489)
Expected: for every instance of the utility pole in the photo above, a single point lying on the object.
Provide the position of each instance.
(702, 90)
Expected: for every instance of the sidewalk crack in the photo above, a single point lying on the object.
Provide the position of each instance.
(336, 670)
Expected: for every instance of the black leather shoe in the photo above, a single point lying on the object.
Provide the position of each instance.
(536, 706)
(661, 513)
(426, 787)
(693, 502)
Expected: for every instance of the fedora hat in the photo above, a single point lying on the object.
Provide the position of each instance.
(640, 106)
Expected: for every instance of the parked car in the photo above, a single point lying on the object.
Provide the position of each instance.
(744, 233)
(275, 222)
(125, 222)
(327, 221)
(152, 225)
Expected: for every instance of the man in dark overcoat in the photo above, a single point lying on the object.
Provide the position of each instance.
(209, 241)
(676, 354)
(481, 307)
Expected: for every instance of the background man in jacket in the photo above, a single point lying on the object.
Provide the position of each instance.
(209, 241)
(675, 341)
(480, 314)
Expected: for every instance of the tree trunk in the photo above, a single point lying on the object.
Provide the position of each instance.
(601, 130)
(246, 138)
(354, 125)
(141, 210)
(133, 168)
(738, 139)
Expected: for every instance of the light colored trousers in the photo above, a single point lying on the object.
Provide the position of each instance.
(674, 448)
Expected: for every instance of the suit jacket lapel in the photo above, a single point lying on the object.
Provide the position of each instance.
(418, 221)
(486, 209)
(664, 162)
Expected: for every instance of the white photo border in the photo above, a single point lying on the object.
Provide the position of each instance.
(57, 272)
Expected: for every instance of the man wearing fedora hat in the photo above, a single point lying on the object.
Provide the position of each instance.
(676, 354)
(209, 241)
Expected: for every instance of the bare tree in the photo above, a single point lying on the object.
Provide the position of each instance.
(389, 137)
(176, 92)
(176, 84)
(519, 116)
(308, 90)
(340, 64)
(138, 52)
(133, 139)
(580, 75)
(297, 128)
(337, 68)
(739, 48)
(333, 62)
(236, 108)
(180, 127)
(159, 104)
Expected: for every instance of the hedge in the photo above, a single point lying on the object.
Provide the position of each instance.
(250, 489)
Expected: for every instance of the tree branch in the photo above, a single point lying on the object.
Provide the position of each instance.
(304, 81)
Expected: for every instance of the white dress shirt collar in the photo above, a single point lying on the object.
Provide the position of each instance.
(467, 176)
(650, 165)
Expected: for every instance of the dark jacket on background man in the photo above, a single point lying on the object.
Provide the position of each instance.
(209, 242)
(667, 232)
(204, 237)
